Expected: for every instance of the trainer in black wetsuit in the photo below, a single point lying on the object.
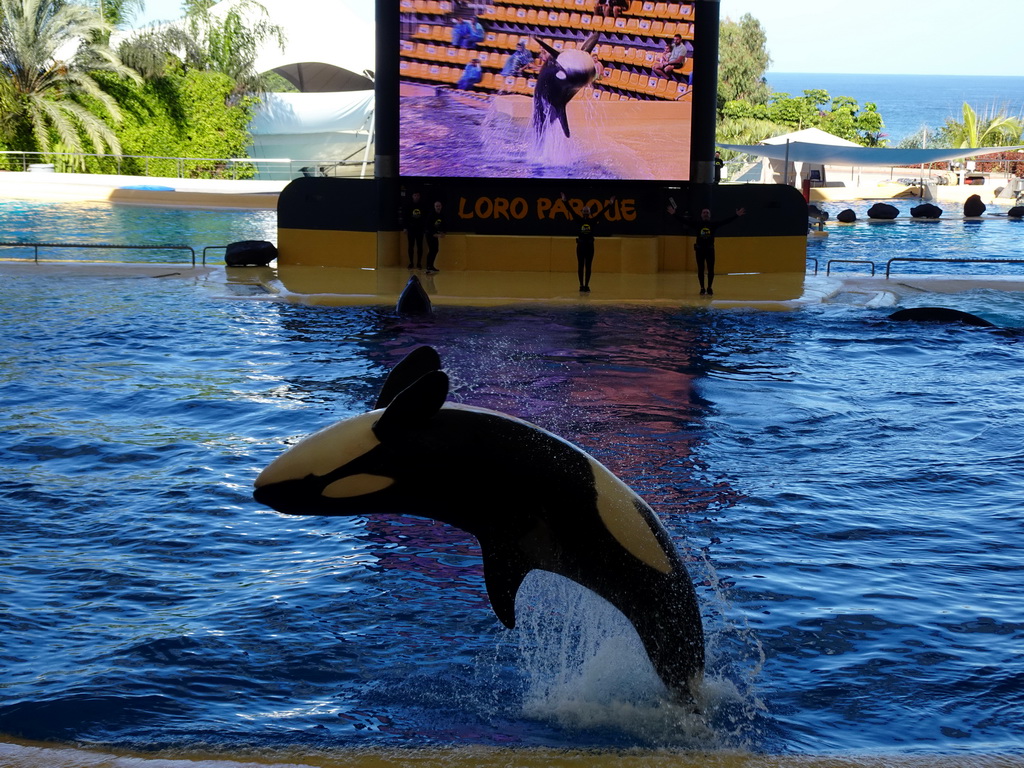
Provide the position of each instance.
(704, 245)
(413, 220)
(435, 230)
(588, 222)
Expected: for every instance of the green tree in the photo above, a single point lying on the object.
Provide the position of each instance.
(183, 114)
(230, 41)
(985, 131)
(151, 51)
(118, 12)
(49, 53)
(742, 61)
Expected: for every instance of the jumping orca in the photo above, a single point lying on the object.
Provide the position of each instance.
(940, 315)
(533, 500)
(562, 75)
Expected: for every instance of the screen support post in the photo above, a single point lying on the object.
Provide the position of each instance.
(705, 91)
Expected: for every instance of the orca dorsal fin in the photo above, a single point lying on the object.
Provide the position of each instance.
(410, 368)
(590, 42)
(504, 571)
(413, 407)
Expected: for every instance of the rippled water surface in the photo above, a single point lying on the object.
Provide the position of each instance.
(124, 224)
(846, 491)
(966, 246)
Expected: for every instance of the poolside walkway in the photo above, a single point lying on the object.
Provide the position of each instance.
(348, 287)
(335, 286)
(143, 190)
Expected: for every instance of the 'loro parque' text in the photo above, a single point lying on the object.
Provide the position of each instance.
(543, 208)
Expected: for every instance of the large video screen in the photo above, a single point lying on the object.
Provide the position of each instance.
(570, 89)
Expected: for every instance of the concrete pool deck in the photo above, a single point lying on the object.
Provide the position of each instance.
(320, 286)
(338, 286)
(141, 190)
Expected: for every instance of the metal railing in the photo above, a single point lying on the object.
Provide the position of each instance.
(889, 263)
(156, 166)
(37, 246)
(828, 266)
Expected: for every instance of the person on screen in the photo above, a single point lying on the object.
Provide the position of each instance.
(676, 59)
(471, 75)
(704, 244)
(719, 163)
(460, 32)
(413, 221)
(435, 231)
(664, 57)
(466, 33)
(520, 59)
(476, 34)
(612, 8)
(589, 222)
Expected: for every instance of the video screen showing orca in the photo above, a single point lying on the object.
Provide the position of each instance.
(572, 89)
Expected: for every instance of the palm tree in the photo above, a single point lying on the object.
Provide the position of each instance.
(118, 12)
(972, 131)
(230, 41)
(227, 40)
(48, 48)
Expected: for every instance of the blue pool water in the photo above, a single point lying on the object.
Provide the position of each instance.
(846, 491)
(951, 236)
(47, 222)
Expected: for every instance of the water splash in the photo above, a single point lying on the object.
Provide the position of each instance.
(586, 670)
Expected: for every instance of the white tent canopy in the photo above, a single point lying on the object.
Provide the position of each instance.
(812, 145)
(310, 126)
(321, 37)
(329, 56)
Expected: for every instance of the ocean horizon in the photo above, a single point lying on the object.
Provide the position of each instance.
(909, 103)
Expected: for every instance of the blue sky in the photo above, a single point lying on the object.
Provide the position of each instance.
(940, 37)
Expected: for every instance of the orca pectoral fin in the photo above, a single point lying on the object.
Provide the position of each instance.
(563, 119)
(590, 43)
(504, 571)
(420, 361)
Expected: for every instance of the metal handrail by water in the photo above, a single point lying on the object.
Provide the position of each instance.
(37, 246)
(828, 266)
(889, 263)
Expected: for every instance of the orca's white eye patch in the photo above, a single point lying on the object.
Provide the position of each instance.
(560, 75)
(357, 485)
(325, 451)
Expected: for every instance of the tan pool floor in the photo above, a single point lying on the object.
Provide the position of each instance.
(340, 287)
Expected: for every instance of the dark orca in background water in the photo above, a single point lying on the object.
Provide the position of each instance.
(533, 500)
(561, 77)
(414, 299)
(940, 315)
